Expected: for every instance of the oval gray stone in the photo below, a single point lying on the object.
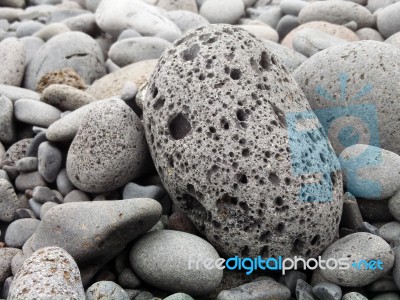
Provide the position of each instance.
(50, 161)
(15, 93)
(6, 256)
(106, 290)
(20, 231)
(35, 112)
(12, 64)
(388, 21)
(64, 185)
(222, 11)
(353, 246)
(49, 273)
(9, 202)
(394, 40)
(7, 130)
(161, 258)
(186, 20)
(75, 50)
(390, 231)
(369, 34)
(214, 166)
(109, 149)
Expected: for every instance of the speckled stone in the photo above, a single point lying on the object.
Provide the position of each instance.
(9, 202)
(106, 290)
(12, 64)
(230, 171)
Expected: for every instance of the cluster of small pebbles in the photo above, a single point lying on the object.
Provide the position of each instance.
(138, 135)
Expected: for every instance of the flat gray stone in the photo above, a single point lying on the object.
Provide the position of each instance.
(106, 290)
(28, 181)
(97, 164)
(388, 22)
(12, 64)
(292, 7)
(27, 164)
(369, 34)
(353, 247)
(44, 194)
(19, 231)
(186, 20)
(222, 11)
(49, 273)
(28, 28)
(7, 130)
(35, 112)
(15, 93)
(74, 50)
(161, 259)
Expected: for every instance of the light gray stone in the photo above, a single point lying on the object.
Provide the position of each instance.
(270, 15)
(19, 231)
(10, 14)
(85, 23)
(262, 32)
(49, 273)
(92, 4)
(28, 28)
(15, 93)
(45, 208)
(27, 164)
(12, 64)
(369, 34)
(388, 21)
(6, 255)
(390, 231)
(51, 30)
(167, 269)
(43, 194)
(97, 164)
(9, 202)
(292, 7)
(224, 185)
(35, 112)
(28, 181)
(64, 185)
(222, 11)
(7, 129)
(132, 50)
(353, 247)
(74, 50)
(50, 161)
(186, 20)
(375, 5)
(76, 196)
(394, 40)
(170, 5)
(106, 290)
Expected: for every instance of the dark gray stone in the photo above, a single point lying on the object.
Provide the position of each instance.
(304, 291)
(290, 280)
(35, 206)
(375, 211)
(6, 288)
(384, 284)
(286, 25)
(351, 216)
(366, 227)
(43, 194)
(33, 148)
(29, 181)
(50, 161)
(327, 291)
(127, 279)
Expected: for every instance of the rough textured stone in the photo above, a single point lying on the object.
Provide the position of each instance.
(365, 104)
(20, 231)
(337, 13)
(9, 202)
(213, 165)
(114, 16)
(354, 296)
(186, 20)
(49, 273)
(65, 97)
(16, 152)
(338, 31)
(35, 112)
(388, 20)
(353, 247)
(222, 11)
(370, 172)
(109, 149)
(132, 50)
(66, 76)
(260, 289)
(168, 269)
(12, 64)
(6, 255)
(106, 290)
(7, 130)
(74, 50)
(112, 84)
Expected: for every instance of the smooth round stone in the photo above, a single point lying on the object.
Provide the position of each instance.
(9, 202)
(370, 172)
(96, 164)
(387, 296)
(76, 196)
(128, 33)
(6, 288)
(384, 284)
(225, 173)
(50, 161)
(369, 34)
(375, 5)
(115, 16)
(32, 45)
(167, 269)
(6, 255)
(133, 190)
(43, 194)
(85, 23)
(338, 31)
(112, 84)
(28, 181)
(353, 247)
(74, 50)
(64, 185)
(45, 208)
(51, 30)
(132, 50)
(186, 20)
(179, 296)
(311, 41)
(65, 97)
(354, 296)
(49, 273)
(129, 91)
(286, 24)
(269, 15)
(365, 104)
(28, 28)
(19, 231)
(222, 11)
(335, 12)
(388, 21)
(390, 231)
(262, 32)
(27, 164)
(127, 279)
(292, 7)
(35, 112)
(106, 290)
(35, 206)
(327, 291)
(7, 130)
(12, 64)
(394, 40)
(15, 93)
(10, 14)
(168, 5)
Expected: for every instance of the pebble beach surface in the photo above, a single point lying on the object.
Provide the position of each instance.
(174, 149)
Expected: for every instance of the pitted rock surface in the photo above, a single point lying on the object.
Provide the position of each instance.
(218, 134)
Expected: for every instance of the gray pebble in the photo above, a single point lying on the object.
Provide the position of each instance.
(304, 291)
(354, 296)
(387, 296)
(369, 34)
(144, 296)
(27, 164)
(28, 28)
(366, 227)
(29, 181)
(35, 206)
(394, 40)
(64, 185)
(353, 246)
(10, 14)
(85, 23)
(15, 93)
(50, 161)
(128, 33)
(49, 273)
(6, 255)
(33, 148)
(35, 112)
(127, 279)
(51, 30)
(129, 91)
(22, 213)
(7, 130)
(222, 11)
(12, 64)
(168, 269)
(270, 15)
(43, 194)
(76, 196)
(351, 216)
(92, 4)
(106, 290)
(286, 24)
(9, 202)
(13, 3)
(6, 288)
(4, 175)
(384, 284)
(186, 20)
(19, 231)
(290, 280)
(45, 208)
(327, 291)
(390, 231)
(132, 50)
(292, 7)
(388, 22)
(179, 296)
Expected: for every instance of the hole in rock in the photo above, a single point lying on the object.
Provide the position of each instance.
(191, 53)
(179, 126)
